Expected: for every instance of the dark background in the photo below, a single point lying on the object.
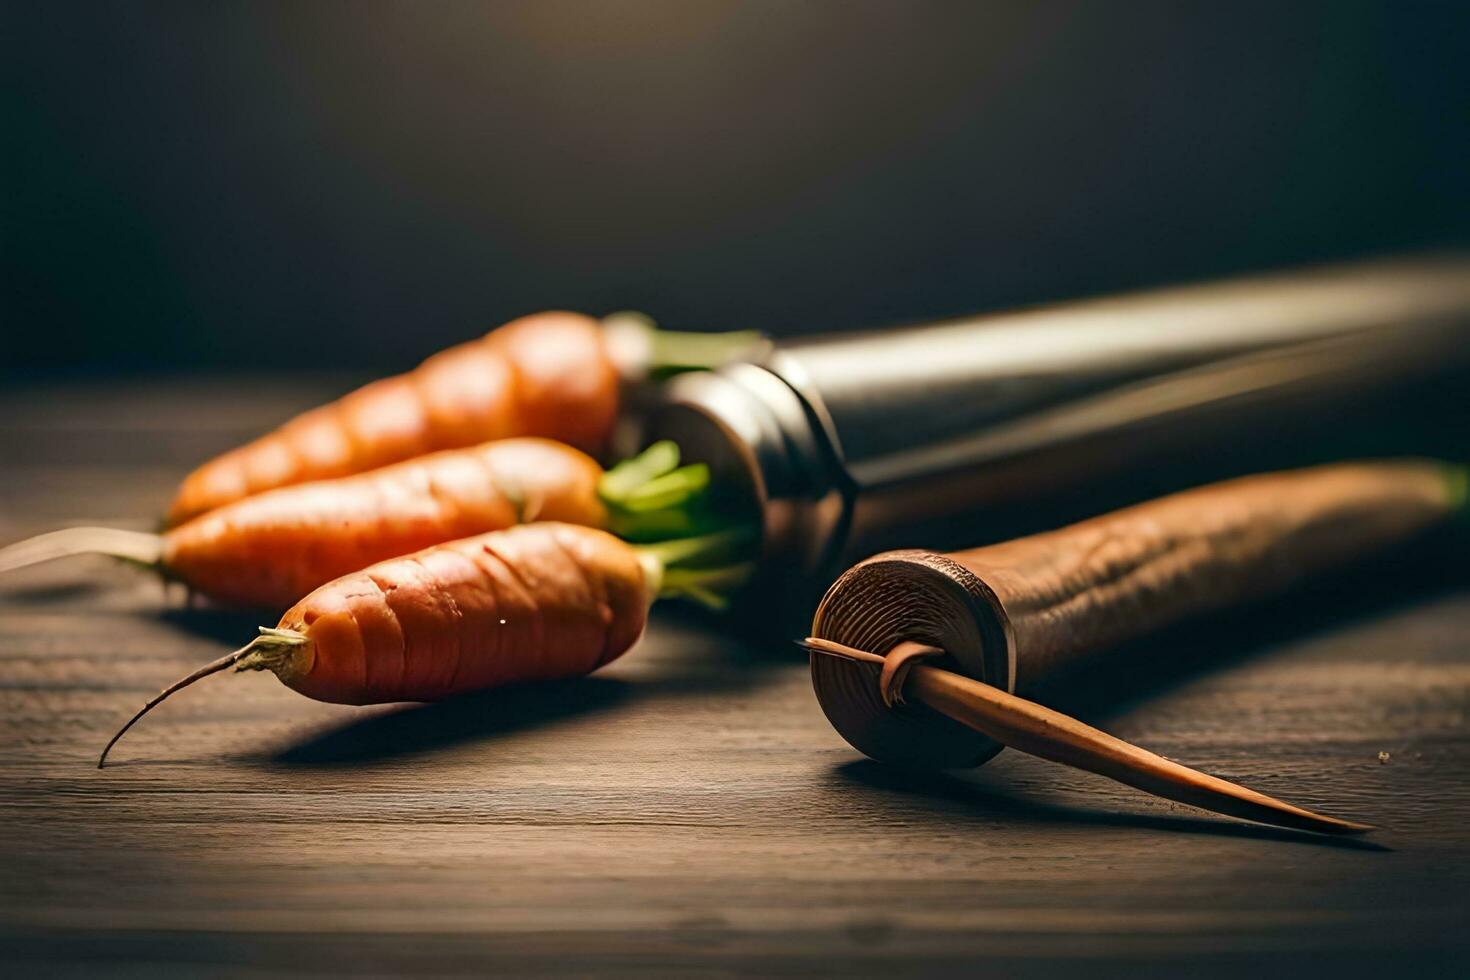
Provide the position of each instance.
(354, 185)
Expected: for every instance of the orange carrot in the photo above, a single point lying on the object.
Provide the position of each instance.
(544, 375)
(271, 549)
(534, 602)
(332, 527)
(554, 374)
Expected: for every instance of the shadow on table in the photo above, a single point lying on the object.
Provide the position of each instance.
(51, 593)
(425, 727)
(232, 627)
(952, 799)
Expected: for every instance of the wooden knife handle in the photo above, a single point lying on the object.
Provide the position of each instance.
(1092, 585)
(1010, 614)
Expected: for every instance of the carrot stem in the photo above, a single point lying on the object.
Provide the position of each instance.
(667, 524)
(702, 551)
(1458, 478)
(670, 490)
(675, 351)
(651, 498)
(637, 471)
(644, 350)
(710, 587)
(698, 551)
(704, 569)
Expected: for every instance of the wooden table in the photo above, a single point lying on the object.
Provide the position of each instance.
(688, 809)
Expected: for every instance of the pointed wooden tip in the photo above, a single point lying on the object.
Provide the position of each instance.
(1048, 734)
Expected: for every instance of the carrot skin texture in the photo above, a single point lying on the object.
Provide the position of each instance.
(547, 375)
(533, 602)
(271, 549)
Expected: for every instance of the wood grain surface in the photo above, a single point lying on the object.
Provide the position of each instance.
(688, 810)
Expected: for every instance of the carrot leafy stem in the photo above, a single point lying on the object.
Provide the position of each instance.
(1458, 479)
(634, 472)
(703, 547)
(658, 353)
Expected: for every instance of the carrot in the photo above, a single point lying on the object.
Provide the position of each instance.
(273, 548)
(533, 602)
(552, 374)
(270, 549)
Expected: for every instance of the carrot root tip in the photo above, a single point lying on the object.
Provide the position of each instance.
(271, 650)
(133, 546)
